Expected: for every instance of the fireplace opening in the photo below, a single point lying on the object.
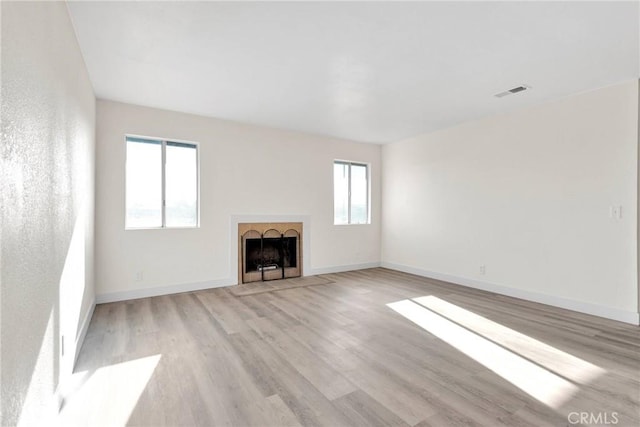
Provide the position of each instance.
(270, 255)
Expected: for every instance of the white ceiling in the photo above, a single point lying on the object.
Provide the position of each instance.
(367, 71)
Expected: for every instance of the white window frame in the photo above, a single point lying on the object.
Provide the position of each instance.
(368, 174)
(163, 142)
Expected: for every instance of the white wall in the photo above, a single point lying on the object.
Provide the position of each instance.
(47, 179)
(527, 194)
(244, 170)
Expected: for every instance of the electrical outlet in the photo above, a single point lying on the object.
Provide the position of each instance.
(483, 269)
(615, 212)
(139, 276)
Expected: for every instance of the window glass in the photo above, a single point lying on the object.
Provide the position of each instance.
(161, 184)
(144, 184)
(181, 185)
(341, 193)
(359, 194)
(350, 193)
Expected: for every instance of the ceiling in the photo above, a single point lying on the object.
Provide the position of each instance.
(367, 71)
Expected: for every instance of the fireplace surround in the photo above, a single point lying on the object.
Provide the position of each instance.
(269, 251)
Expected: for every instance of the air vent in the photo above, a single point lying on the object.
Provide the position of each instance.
(512, 91)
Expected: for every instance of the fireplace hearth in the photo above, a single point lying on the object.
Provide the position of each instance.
(269, 251)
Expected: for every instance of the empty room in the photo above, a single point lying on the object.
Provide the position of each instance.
(319, 213)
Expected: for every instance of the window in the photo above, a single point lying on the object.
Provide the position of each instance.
(350, 193)
(161, 183)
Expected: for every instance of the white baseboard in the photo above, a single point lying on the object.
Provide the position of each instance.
(188, 287)
(162, 290)
(65, 379)
(341, 268)
(83, 331)
(569, 304)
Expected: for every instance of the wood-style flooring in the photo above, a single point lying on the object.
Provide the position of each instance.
(362, 350)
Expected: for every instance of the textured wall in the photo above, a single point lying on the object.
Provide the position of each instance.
(48, 131)
(528, 195)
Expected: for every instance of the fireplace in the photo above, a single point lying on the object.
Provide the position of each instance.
(269, 251)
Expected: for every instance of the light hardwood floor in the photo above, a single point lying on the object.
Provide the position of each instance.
(338, 355)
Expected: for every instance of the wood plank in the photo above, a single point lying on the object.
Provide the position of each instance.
(336, 355)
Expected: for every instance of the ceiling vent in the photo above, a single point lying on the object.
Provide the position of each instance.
(512, 91)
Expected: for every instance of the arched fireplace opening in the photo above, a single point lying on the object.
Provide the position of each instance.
(271, 254)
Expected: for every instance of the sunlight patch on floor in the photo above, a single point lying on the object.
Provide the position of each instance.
(565, 364)
(110, 394)
(539, 383)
